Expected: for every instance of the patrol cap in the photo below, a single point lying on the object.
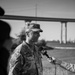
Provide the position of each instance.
(33, 27)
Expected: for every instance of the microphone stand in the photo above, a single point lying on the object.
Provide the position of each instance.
(50, 59)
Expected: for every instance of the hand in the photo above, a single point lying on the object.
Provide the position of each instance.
(51, 60)
(57, 61)
(54, 60)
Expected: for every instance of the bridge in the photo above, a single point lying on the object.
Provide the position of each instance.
(63, 22)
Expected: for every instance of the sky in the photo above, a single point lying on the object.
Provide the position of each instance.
(45, 8)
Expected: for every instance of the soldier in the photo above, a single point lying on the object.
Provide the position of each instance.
(26, 58)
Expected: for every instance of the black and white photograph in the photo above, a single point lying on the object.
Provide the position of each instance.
(37, 37)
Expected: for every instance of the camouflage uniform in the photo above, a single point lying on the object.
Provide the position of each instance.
(68, 66)
(25, 61)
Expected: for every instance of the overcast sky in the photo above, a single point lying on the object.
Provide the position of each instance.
(45, 8)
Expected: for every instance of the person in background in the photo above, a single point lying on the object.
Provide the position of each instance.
(4, 52)
(26, 58)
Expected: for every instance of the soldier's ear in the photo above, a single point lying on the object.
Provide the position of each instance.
(27, 34)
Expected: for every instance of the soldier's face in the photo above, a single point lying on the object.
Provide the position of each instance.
(34, 36)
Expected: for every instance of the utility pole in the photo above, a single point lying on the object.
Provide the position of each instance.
(36, 9)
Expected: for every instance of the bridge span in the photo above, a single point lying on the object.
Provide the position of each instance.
(63, 22)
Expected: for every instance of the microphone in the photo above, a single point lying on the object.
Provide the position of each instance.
(45, 53)
(50, 59)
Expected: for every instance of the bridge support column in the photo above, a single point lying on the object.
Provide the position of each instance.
(61, 39)
(63, 32)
